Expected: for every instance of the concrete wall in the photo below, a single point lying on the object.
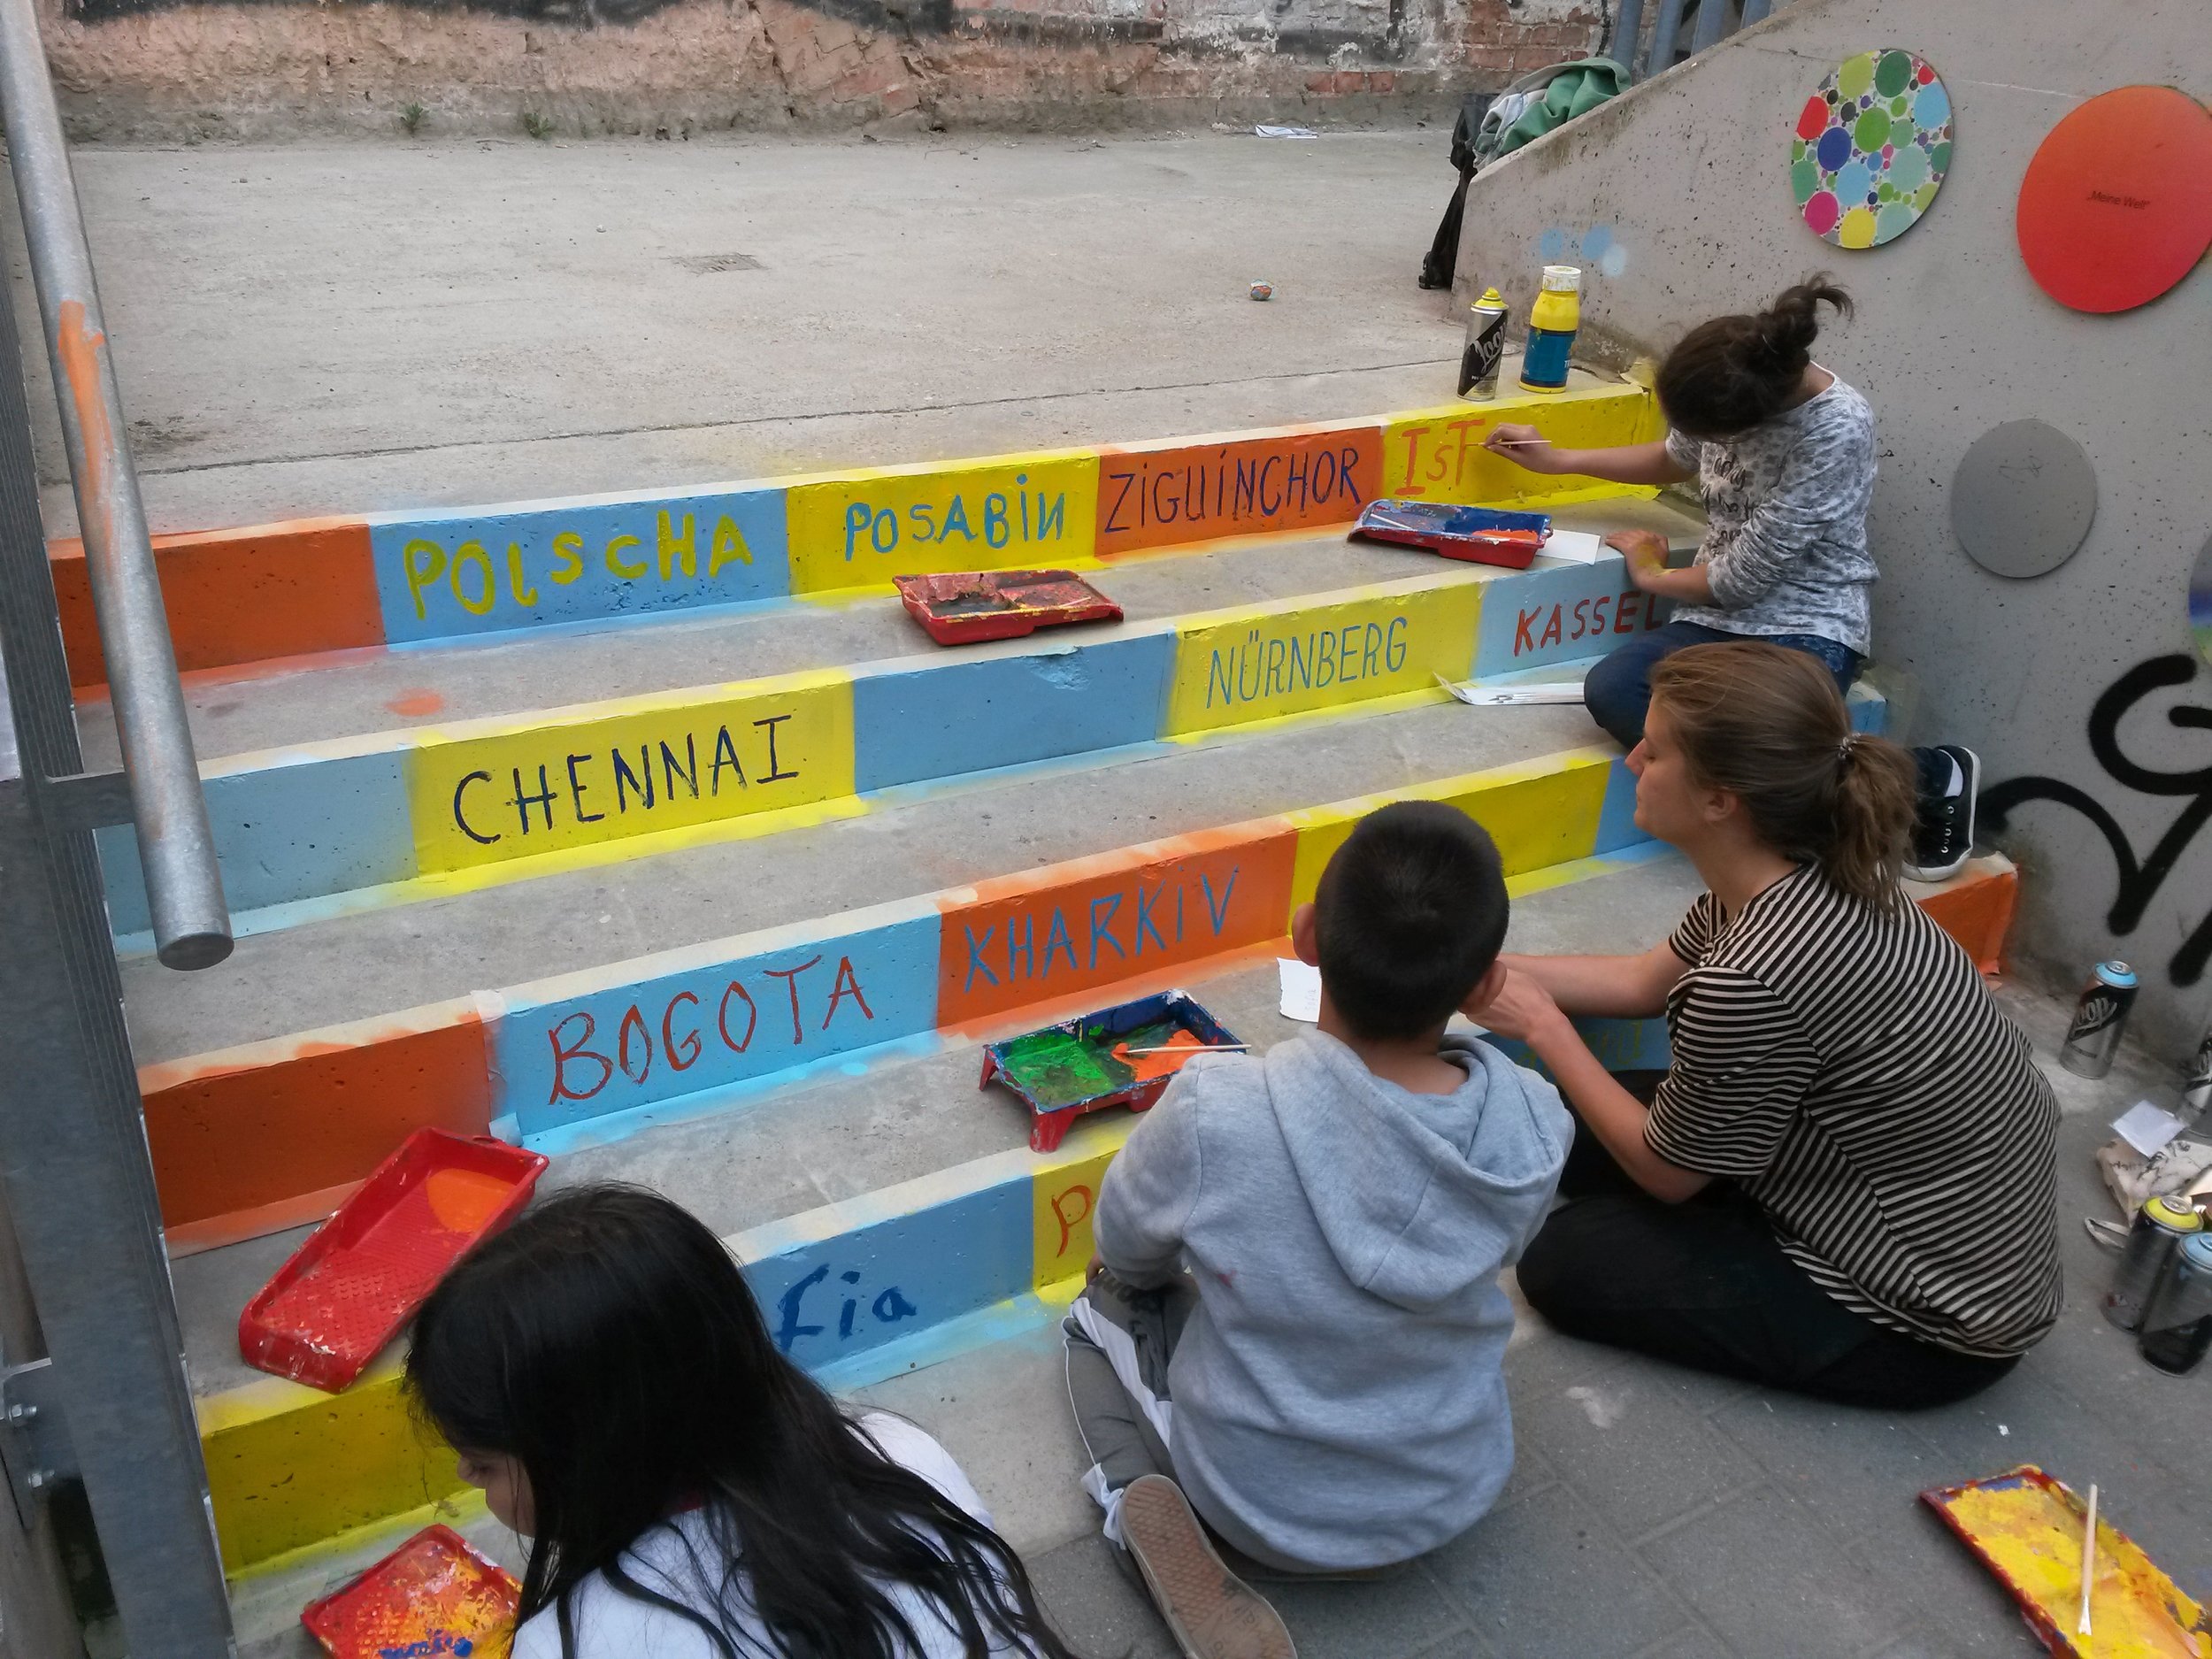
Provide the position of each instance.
(1677, 200)
(139, 70)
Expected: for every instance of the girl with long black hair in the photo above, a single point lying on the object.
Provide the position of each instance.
(605, 1376)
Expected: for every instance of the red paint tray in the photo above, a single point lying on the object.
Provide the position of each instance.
(962, 607)
(350, 1288)
(434, 1595)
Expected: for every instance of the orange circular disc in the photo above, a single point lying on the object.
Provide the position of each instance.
(2117, 205)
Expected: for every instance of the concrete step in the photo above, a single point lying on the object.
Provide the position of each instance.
(388, 816)
(268, 706)
(905, 1172)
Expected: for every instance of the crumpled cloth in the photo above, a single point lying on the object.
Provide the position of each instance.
(2181, 1165)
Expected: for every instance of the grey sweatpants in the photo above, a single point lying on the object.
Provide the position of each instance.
(1119, 1344)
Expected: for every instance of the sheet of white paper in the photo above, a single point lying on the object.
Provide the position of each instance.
(2145, 1128)
(1581, 547)
(1500, 696)
(1301, 989)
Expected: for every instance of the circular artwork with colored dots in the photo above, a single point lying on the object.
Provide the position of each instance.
(1871, 149)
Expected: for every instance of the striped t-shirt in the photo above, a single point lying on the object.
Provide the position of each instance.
(1851, 1073)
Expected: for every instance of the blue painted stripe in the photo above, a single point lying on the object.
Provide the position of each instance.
(938, 718)
(1616, 818)
(829, 1300)
(449, 575)
(564, 1060)
(291, 831)
(1560, 615)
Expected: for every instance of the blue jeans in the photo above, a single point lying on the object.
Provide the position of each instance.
(1618, 689)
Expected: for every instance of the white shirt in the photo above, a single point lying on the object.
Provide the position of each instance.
(613, 1626)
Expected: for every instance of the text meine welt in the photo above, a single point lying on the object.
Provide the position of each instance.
(588, 787)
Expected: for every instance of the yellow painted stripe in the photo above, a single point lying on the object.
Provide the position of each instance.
(638, 766)
(1002, 512)
(1262, 662)
(1437, 454)
(1539, 812)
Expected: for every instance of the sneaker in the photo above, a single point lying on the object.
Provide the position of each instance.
(1211, 1613)
(1943, 833)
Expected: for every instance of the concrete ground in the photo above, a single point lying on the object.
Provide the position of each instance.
(324, 328)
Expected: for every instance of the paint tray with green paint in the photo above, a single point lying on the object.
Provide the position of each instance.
(1125, 1055)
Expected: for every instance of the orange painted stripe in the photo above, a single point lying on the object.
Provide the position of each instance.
(1200, 489)
(240, 595)
(1054, 932)
(1977, 910)
(269, 1127)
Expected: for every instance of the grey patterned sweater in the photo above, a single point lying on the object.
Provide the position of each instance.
(1785, 552)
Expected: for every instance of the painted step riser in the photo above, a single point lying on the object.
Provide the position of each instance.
(309, 586)
(258, 1139)
(495, 799)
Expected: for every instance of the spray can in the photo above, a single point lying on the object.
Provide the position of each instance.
(2177, 1328)
(2160, 1227)
(1485, 346)
(2100, 1018)
(1552, 323)
(2195, 1110)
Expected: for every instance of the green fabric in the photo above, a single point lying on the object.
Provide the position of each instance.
(1575, 88)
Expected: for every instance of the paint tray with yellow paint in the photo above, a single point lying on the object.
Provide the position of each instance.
(2026, 1528)
(347, 1291)
(1125, 1055)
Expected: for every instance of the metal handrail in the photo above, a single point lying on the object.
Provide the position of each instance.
(176, 848)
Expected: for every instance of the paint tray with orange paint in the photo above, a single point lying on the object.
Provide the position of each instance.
(961, 608)
(2026, 1528)
(434, 1595)
(347, 1290)
(1125, 1057)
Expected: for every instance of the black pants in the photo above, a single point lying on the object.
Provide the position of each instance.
(1705, 1284)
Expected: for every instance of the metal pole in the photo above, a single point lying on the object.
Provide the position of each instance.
(1712, 23)
(1627, 27)
(78, 1179)
(1669, 26)
(1755, 12)
(184, 889)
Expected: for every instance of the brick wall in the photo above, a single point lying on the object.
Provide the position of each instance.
(153, 70)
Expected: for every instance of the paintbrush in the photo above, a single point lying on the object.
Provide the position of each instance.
(2088, 1561)
(1205, 1048)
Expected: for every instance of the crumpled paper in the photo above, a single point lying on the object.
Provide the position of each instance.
(2183, 1164)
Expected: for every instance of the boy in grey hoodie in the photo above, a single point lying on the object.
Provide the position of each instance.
(1294, 1315)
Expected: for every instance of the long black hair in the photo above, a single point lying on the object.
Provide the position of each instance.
(608, 1343)
(1736, 373)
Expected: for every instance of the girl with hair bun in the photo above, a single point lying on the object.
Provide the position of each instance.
(1783, 451)
(1846, 1182)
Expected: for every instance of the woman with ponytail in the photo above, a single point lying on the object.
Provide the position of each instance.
(688, 1492)
(1783, 452)
(1844, 1184)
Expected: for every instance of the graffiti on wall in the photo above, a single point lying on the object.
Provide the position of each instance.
(2141, 876)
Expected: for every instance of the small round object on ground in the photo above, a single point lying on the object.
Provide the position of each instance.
(2117, 206)
(2023, 498)
(1263, 290)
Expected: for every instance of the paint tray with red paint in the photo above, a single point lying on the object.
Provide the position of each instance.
(2026, 1528)
(347, 1290)
(1124, 1057)
(1484, 535)
(432, 1596)
(962, 607)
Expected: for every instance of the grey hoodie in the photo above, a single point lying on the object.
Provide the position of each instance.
(1338, 1396)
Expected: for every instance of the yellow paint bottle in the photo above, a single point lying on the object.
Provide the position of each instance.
(1552, 323)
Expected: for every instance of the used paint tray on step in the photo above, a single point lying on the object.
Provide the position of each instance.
(962, 607)
(350, 1288)
(2027, 1529)
(1486, 535)
(432, 1595)
(1087, 1065)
